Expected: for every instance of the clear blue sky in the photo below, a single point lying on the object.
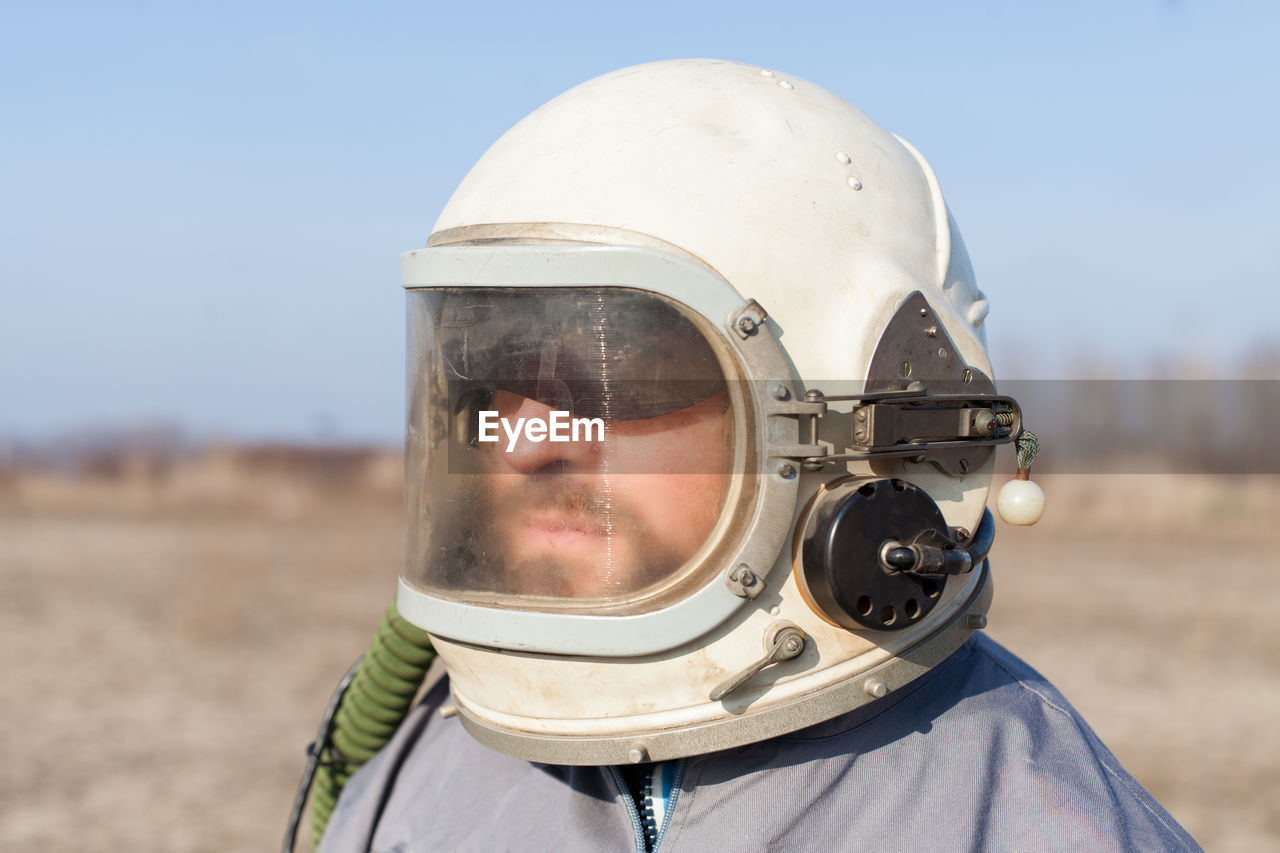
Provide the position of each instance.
(203, 204)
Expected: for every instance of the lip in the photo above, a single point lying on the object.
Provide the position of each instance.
(558, 530)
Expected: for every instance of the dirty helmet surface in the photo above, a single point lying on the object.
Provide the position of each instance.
(701, 423)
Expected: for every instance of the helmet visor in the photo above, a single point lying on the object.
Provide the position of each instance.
(569, 449)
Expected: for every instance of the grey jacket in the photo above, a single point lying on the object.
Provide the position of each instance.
(980, 753)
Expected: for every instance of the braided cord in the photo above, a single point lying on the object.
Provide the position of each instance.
(1028, 446)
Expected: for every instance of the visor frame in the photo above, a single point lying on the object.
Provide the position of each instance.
(760, 361)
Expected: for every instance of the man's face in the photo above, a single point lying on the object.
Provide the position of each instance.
(602, 518)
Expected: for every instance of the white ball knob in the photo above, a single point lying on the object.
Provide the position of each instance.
(1021, 502)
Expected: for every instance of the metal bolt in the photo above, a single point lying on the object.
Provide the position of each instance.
(813, 395)
(924, 312)
(781, 392)
(968, 376)
(786, 470)
(637, 753)
(942, 352)
(861, 415)
(964, 466)
(975, 621)
(793, 645)
(905, 369)
(875, 688)
(931, 332)
(746, 324)
(743, 582)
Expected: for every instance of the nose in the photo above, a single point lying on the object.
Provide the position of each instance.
(545, 442)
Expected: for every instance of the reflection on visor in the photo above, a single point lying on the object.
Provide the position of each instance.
(613, 521)
(595, 352)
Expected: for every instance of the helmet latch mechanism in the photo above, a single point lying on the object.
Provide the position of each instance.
(782, 641)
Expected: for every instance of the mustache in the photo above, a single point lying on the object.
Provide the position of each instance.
(592, 505)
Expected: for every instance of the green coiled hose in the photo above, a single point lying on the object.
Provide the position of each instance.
(366, 709)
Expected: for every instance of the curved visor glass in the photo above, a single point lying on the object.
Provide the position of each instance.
(569, 449)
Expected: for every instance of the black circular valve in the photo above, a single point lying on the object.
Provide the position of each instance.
(841, 568)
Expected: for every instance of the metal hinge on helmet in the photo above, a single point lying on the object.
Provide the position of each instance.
(921, 402)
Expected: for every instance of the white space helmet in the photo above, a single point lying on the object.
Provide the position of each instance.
(701, 421)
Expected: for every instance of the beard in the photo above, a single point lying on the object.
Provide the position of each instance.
(562, 537)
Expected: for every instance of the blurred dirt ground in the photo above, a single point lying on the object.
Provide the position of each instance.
(172, 634)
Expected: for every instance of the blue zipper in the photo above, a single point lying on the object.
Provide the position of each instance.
(633, 809)
(676, 782)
